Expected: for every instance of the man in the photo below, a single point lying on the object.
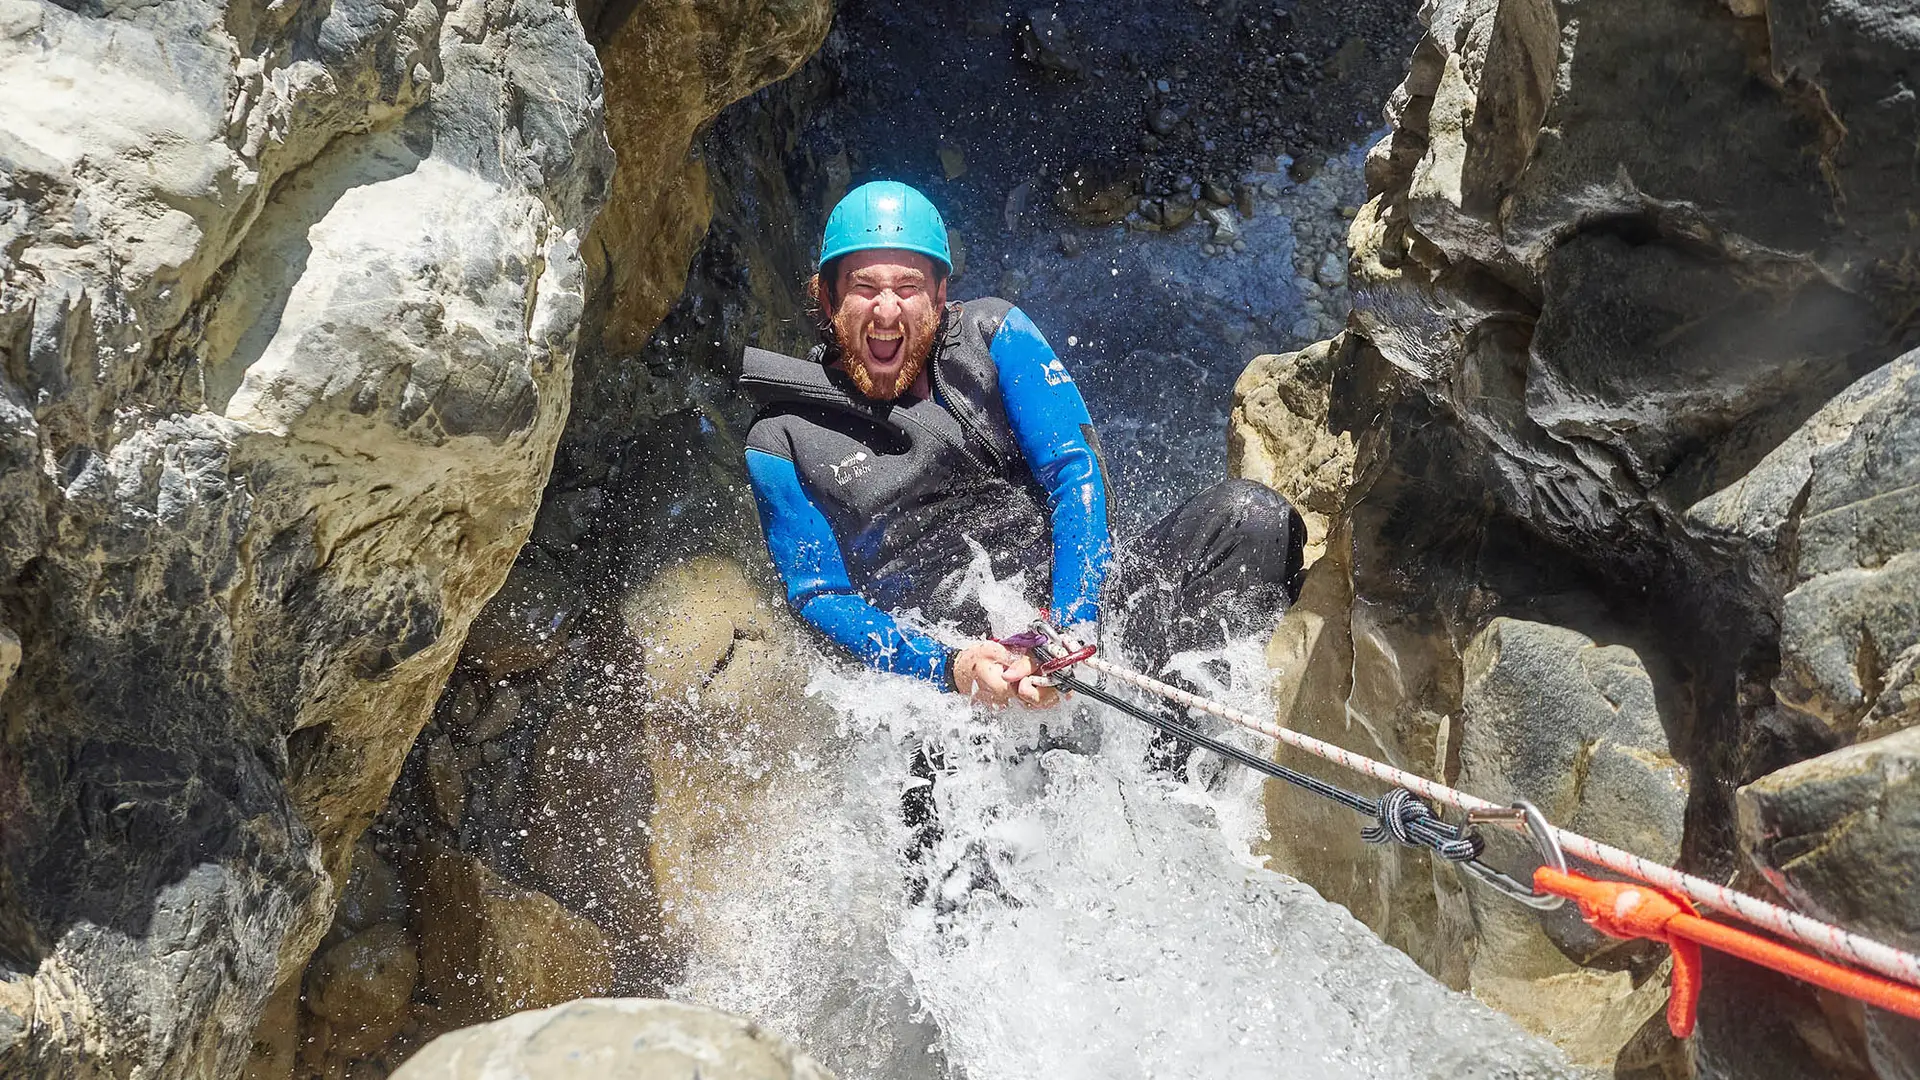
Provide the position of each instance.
(919, 429)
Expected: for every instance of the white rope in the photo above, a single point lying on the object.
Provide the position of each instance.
(1866, 952)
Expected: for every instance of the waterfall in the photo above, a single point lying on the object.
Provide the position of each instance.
(1084, 916)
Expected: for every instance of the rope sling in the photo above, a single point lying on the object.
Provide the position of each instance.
(1662, 908)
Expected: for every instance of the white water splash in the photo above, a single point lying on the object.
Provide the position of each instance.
(1086, 917)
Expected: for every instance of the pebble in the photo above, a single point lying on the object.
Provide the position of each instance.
(1071, 244)
(1332, 271)
(1163, 120)
(1225, 228)
(1163, 86)
(1239, 245)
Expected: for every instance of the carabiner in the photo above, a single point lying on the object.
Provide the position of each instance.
(1525, 818)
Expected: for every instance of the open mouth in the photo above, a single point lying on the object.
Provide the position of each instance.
(884, 345)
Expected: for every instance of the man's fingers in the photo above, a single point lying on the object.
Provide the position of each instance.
(1034, 693)
(992, 679)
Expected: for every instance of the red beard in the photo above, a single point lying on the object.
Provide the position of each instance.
(916, 346)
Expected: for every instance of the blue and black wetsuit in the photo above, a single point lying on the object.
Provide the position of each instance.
(872, 508)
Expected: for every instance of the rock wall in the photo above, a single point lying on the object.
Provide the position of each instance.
(1617, 261)
(290, 296)
(522, 823)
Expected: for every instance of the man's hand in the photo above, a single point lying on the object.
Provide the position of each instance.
(993, 675)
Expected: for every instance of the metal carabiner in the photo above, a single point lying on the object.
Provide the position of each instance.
(1525, 818)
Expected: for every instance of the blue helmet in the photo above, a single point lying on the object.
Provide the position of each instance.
(885, 214)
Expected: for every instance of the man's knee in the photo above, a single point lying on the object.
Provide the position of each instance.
(1255, 508)
(1261, 519)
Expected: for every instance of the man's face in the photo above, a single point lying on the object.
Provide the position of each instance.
(886, 314)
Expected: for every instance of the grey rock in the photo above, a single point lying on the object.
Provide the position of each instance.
(1331, 272)
(1584, 312)
(1226, 227)
(527, 621)
(1549, 717)
(1829, 525)
(500, 715)
(1044, 41)
(288, 314)
(285, 333)
(373, 893)
(622, 1038)
(1835, 834)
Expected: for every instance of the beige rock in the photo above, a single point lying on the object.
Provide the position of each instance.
(9, 657)
(1278, 435)
(1345, 676)
(725, 672)
(362, 987)
(614, 1039)
(489, 948)
(668, 69)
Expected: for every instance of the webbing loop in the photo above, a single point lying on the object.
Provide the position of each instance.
(1636, 910)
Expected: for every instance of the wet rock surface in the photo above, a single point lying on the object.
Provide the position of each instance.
(288, 300)
(290, 297)
(1549, 717)
(1593, 344)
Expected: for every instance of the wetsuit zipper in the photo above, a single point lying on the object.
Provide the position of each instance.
(960, 412)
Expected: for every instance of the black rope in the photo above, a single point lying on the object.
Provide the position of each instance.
(1398, 815)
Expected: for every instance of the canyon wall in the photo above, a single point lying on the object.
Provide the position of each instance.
(290, 296)
(1630, 508)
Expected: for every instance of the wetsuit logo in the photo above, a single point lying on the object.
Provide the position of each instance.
(1056, 372)
(846, 472)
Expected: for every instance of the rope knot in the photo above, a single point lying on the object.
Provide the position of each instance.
(1402, 817)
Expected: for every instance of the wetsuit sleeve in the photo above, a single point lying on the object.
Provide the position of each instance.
(807, 554)
(1054, 432)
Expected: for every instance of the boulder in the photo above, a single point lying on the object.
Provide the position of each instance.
(528, 620)
(489, 948)
(1602, 274)
(613, 1039)
(1835, 834)
(1549, 717)
(288, 323)
(362, 987)
(724, 670)
(287, 315)
(373, 893)
(1278, 434)
(1829, 523)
